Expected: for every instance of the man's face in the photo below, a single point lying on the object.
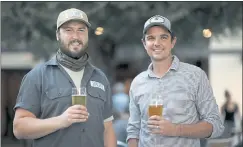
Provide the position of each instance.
(158, 43)
(73, 38)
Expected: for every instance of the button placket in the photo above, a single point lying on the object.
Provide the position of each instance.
(161, 87)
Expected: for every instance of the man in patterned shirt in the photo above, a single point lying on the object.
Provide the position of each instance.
(190, 111)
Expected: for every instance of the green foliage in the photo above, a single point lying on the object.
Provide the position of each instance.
(31, 25)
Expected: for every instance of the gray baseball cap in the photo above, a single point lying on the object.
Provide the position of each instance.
(157, 20)
(72, 14)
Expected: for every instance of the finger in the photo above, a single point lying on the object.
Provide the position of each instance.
(152, 127)
(82, 107)
(151, 122)
(77, 116)
(83, 112)
(152, 117)
(155, 117)
(77, 120)
(74, 111)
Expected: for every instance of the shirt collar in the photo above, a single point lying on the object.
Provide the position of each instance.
(88, 71)
(52, 61)
(174, 66)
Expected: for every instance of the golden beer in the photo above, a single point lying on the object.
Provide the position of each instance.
(78, 100)
(155, 110)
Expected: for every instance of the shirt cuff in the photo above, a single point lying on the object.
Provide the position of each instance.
(132, 136)
(31, 108)
(217, 129)
(109, 119)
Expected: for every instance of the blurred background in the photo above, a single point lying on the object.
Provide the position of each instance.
(209, 35)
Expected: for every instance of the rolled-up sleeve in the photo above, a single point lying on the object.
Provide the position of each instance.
(29, 94)
(133, 127)
(207, 106)
(107, 112)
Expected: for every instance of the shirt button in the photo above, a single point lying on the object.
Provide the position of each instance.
(59, 93)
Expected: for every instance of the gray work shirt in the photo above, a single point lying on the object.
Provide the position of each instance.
(187, 99)
(46, 92)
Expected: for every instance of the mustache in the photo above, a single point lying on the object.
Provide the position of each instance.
(76, 40)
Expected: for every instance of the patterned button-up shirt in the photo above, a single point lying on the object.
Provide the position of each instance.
(187, 99)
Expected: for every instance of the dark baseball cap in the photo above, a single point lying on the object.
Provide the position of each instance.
(157, 20)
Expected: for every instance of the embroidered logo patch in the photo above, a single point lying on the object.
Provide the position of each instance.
(97, 84)
(157, 18)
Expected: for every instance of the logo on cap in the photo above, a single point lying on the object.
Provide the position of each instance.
(157, 18)
(74, 13)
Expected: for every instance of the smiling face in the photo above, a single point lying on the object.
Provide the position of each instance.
(158, 43)
(73, 38)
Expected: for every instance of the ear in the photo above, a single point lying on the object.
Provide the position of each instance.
(173, 42)
(144, 43)
(57, 35)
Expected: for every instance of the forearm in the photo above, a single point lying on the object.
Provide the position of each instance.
(33, 128)
(202, 129)
(134, 122)
(133, 142)
(109, 137)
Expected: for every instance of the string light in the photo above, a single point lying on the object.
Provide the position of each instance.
(207, 33)
(99, 31)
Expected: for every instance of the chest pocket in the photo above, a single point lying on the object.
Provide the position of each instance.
(96, 98)
(180, 106)
(55, 101)
(58, 95)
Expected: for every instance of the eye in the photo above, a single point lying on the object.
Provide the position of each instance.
(164, 37)
(68, 30)
(81, 30)
(150, 38)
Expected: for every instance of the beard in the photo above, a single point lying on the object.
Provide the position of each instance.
(75, 55)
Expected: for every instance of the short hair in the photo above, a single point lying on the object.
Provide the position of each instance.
(172, 34)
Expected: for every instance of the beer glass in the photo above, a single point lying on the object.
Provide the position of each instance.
(156, 108)
(155, 105)
(79, 96)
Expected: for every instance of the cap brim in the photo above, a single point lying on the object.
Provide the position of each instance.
(77, 19)
(155, 24)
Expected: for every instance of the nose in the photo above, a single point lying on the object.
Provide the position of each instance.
(75, 35)
(157, 42)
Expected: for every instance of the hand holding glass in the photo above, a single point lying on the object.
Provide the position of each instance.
(79, 96)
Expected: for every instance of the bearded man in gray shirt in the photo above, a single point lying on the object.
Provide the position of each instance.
(44, 111)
